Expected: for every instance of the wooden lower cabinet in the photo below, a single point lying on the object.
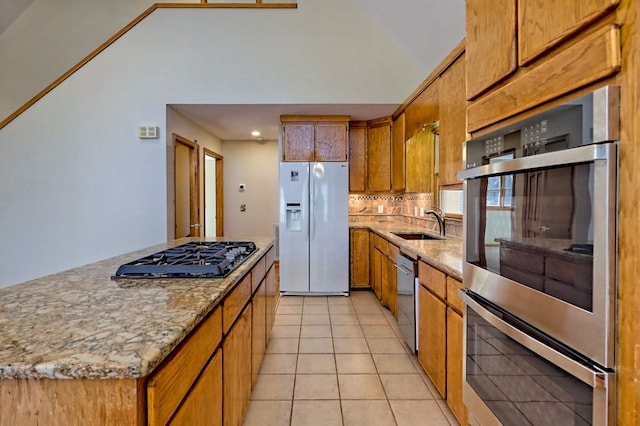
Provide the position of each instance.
(272, 295)
(258, 329)
(432, 338)
(236, 369)
(90, 402)
(172, 380)
(203, 405)
(359, 252)
(455, 353)
(377, 273)
(393, 253)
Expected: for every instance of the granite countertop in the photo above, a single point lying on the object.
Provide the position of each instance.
(81, 324)
(445, 255)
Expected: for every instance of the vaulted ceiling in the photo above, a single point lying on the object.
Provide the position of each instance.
(425, 30)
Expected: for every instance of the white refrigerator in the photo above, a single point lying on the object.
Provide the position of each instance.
(314, 228)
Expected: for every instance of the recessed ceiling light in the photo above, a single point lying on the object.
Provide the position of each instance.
(255, 133)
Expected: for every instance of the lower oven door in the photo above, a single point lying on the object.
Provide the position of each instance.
(516, 375)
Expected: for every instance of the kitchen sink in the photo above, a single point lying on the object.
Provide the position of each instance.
(417, 236)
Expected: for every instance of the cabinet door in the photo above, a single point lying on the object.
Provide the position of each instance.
(377, 273)
(170, 382)
(298, 142)
(203, 406)
(420, 162)
(432, 344)
(490, 45)
(379, 158)
(454, 366)
(392, 278)
(453, 121)
(385, 285)
(258, 329)
(357, 158)
(360, 258)
(236, 369)
(544, 23)
(271, 302)
(331, 142)
(397, 154)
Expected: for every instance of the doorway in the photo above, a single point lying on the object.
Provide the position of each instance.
(213, 194)
(186, 178)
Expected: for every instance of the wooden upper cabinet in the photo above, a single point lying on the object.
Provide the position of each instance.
(379, 155)
(424, 110)
(298, 142)
(331, 141)
(314, 138)
(357, 156)
(453, 121)
(490, 43)
(543, 24)
(397, 154)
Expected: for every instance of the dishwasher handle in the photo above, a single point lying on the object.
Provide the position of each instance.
(404, 270)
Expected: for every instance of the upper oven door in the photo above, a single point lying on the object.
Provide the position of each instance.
(540, 242)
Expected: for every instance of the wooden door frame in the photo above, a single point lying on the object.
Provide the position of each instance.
(219, 190)
(194, 180)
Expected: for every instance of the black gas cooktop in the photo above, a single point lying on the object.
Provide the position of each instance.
(197, 259)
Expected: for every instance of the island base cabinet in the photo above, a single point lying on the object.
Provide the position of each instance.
(432, 340)
(236, 369)
(258, 329)
(72, 402)
(203, 405)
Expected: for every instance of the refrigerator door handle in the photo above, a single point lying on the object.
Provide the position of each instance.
(312, 206)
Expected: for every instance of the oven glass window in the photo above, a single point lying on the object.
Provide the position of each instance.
(517, 385)
(536, 228)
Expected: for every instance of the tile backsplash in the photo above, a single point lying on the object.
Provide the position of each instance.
(409, 207)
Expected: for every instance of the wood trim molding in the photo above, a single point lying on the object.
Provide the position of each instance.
(257, 5)
(451, 58)
(219, 189)
(313, 118)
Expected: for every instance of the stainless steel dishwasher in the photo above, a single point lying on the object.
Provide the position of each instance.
(407, 299)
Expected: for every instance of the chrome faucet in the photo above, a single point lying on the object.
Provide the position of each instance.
(440, 217)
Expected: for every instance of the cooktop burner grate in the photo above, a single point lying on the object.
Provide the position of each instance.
(196, 259)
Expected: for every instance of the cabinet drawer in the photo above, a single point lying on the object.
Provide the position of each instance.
(393, 253)
(257, 274)
(433, 279)
(381, 244)
(453, 299)
(171, 381)
(235, 301)
(271, 257)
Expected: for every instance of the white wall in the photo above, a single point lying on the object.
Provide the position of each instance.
(257, 166)
(76, 183)
(66, 32)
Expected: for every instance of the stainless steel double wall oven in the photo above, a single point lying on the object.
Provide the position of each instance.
(539, 272)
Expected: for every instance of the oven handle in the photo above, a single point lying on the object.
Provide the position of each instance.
(593, 378)
(582, 154)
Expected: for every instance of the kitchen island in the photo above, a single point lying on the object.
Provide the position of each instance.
(79, 347)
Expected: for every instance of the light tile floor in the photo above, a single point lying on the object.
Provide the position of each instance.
(341, 361)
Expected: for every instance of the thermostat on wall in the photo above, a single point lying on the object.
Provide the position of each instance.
(148, 132)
